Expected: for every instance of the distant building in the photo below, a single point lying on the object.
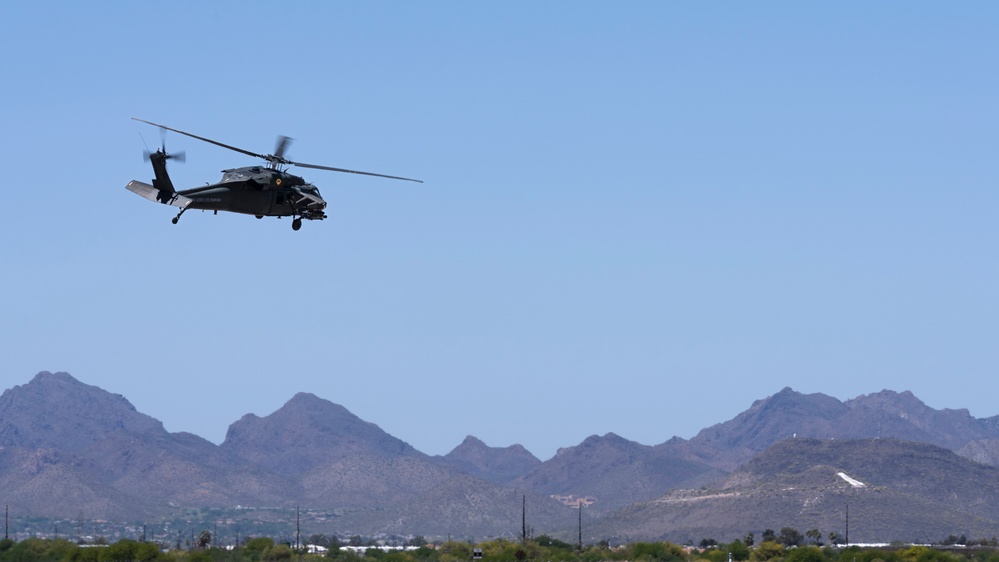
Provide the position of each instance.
(576, 502)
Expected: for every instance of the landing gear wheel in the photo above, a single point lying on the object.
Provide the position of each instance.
(174, 220)
(259, 216)
(296, 224)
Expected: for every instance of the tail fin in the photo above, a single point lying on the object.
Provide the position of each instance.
(162, 181)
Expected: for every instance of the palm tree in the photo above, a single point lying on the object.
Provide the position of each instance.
(204, 540)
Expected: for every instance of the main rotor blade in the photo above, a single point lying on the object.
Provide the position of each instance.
(278, 157)
(331, 169)
(282, 145)
(216, 143)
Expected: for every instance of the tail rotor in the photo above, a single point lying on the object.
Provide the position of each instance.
(147, 155)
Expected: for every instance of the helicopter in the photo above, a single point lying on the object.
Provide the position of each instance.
(261, 191)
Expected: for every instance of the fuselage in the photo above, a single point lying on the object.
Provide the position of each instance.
(259, 191)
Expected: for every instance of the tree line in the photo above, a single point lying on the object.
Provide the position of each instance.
(543, 548)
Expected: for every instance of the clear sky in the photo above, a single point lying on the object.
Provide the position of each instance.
(638, 217)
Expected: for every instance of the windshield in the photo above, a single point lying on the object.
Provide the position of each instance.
(241, 174)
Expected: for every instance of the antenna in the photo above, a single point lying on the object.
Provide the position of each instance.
(144, 142)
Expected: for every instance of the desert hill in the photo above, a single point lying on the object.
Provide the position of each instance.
(614, 472)
(894, 490)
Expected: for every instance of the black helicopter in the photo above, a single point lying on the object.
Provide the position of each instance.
(262, 191)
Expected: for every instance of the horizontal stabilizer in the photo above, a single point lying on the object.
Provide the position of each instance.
(149, 192)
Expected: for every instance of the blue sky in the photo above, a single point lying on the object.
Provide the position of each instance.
(637, 217)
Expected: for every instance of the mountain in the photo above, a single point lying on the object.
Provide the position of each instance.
(68, 445)
(306, 433)
(56, 411)
(903, 416)
(382, 484)
(338, 458)
(901, 491)
(611, 472)
(985, 451)
(494, 464)
(788, 413)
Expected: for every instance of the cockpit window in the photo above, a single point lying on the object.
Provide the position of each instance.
(235, 175)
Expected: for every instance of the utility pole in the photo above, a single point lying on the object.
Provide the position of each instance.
(523, 521)
(581, 526)
(847, 523)
(6, 522)
(298, 528)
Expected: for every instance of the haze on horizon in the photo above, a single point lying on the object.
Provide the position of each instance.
(636, 219)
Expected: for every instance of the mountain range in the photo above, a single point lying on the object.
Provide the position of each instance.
(68, 448)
